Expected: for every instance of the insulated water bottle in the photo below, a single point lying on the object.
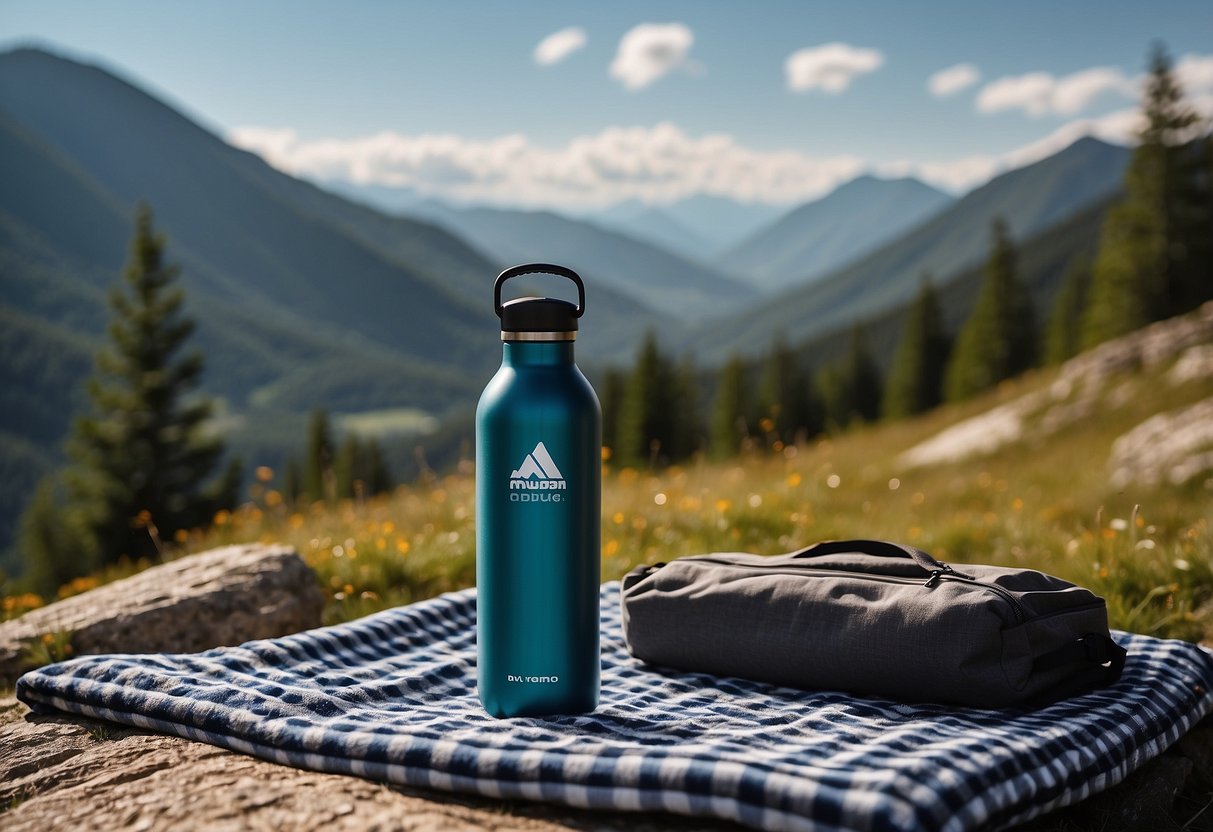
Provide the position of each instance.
(538, 510)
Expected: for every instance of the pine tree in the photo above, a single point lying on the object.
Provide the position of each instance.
(318, 481)
(375, 471)
(915, 383)
(831, 385)
(141, 458)
(998, 340)
(347, 469)
(614, 387)
(785, 396)
(686, 422)
(1155, 246)
(360, 470)
(292, 482)
(730, 413)
(645, 421)
(1064, 337)
(862, 379)
(45, 541)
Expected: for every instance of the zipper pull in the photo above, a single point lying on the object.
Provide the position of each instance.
(935, 575)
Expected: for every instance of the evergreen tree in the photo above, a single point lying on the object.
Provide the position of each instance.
(359, 469)
(44, 540)
(292, 482)
(730, 413)
(141, 459)
(686, 423)
(915, 383)
(862, 379)
(318, 480)
(785, 397)
(375, 472)
(614, 387)
(645, 419)
(831, 385)
(814, 421)
(1155, 246)
(998, 340)
(347, 468)
(1064, 336)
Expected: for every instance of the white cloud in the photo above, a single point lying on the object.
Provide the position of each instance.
(1076, 92)
(1040, 93)
(274, 144)
(960, 175)
(830, 67)
(653, 164)
(559, 45)
(953, 79)
(1195, 73)
(649, 51)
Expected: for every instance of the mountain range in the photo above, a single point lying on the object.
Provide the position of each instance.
(822, 235)
(1029, 199)
(681, 288)
(307, 299)
(653, 225)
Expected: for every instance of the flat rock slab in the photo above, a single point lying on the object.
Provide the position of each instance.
(67, 773)
(220, 597)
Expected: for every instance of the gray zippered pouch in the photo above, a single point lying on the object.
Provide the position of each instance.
(876, 618)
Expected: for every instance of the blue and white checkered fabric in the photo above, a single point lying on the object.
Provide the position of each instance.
(392, 697)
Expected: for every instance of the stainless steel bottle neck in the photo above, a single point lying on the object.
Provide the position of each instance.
(538, 336)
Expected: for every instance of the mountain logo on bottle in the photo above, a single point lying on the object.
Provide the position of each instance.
(538, 472)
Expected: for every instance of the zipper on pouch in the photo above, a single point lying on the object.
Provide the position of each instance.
(944, 573)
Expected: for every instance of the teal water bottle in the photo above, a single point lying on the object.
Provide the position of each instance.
(538, 510)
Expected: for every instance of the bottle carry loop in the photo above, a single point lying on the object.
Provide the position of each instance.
(538, 268)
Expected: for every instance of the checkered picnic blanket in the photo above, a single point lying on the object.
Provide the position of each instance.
(392, 697)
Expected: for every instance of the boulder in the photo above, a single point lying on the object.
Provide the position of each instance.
(219, 597)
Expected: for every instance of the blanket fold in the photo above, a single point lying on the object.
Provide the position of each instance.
(392, 697)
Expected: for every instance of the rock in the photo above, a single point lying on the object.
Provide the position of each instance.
(61, 773)
(220, 597)
(1146, 348)
(1171, 447)
(1196, 364)
(1080, 390)
(979, 435)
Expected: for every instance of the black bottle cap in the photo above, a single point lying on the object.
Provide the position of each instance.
(538, 315)
(539, 319)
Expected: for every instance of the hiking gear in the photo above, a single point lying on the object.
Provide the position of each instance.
(873, 617)
(538, 511)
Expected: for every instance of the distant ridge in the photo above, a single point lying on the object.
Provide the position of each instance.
(640, 270)
(822, 235)
(653, 225)
(1030, 199)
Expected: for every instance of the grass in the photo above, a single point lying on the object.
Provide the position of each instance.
(1045, 503)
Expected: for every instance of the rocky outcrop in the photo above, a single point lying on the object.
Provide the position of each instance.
(1083, 385)
(220, 597)
(1171, 448)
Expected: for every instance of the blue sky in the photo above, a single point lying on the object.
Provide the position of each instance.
(461, 107)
